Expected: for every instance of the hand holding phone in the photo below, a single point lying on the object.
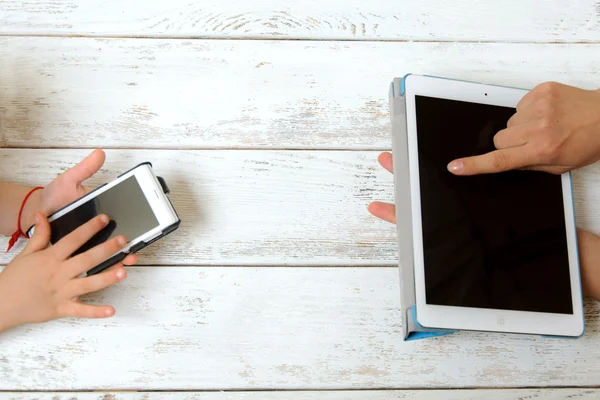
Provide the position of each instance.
(137, 206)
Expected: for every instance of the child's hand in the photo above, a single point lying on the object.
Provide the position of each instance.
(42, 283)
(63, 190)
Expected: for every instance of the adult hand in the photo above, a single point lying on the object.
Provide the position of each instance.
(384, 211)
(589, 260)
(588, 242)
(64, 189)
(556, 129)
(42, 283)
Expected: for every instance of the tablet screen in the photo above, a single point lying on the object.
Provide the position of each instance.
(490, 241)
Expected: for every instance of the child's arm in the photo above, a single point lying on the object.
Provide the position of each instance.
(11, 196)
(61, 191)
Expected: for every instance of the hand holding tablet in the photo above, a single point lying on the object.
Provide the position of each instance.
(489, 252)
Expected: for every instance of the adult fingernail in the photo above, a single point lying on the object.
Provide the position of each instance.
(121, 240)
(104, 219)
(456, 166)
(36, 219)
(108, 312)
(120, 273)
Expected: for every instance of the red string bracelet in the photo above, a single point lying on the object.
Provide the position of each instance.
(19, 232)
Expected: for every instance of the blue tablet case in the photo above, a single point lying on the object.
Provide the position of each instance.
(411, 328)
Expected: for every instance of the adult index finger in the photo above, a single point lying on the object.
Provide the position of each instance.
(493, 162)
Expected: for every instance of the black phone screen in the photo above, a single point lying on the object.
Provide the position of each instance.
(493, 241)
(125, 204)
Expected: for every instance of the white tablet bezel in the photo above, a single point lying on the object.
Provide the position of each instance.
(467, 318)
(153, 192)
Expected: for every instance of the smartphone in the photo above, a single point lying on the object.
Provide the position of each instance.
(137, 205)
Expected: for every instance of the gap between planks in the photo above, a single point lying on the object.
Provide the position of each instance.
(265, 265)
(316, 389)
(227, 148)
(295, 38)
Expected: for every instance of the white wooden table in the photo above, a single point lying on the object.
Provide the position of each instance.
(278, 278)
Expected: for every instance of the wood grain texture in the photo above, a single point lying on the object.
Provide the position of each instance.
(438, 20)
(247, 207)
(202, 328)
(204, 94)
(503, 394)
(244, 207)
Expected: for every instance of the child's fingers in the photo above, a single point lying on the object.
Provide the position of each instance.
(41, 236)
(131, 259)
(88, 260)
(74, 240)
(80, 310)
(81, 286)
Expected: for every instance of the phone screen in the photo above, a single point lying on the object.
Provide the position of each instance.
(490, 241)
(125, 204)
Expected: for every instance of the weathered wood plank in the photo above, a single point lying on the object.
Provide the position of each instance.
(201, 94)
(248, 207)
(477, 394)
(225, 328)
(439, 20)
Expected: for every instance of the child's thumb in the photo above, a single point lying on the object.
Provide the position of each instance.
(41, 235)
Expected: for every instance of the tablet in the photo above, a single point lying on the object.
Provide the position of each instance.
(494, 252)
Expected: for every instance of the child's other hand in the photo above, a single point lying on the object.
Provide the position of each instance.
(42, 283)
(64, 189)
